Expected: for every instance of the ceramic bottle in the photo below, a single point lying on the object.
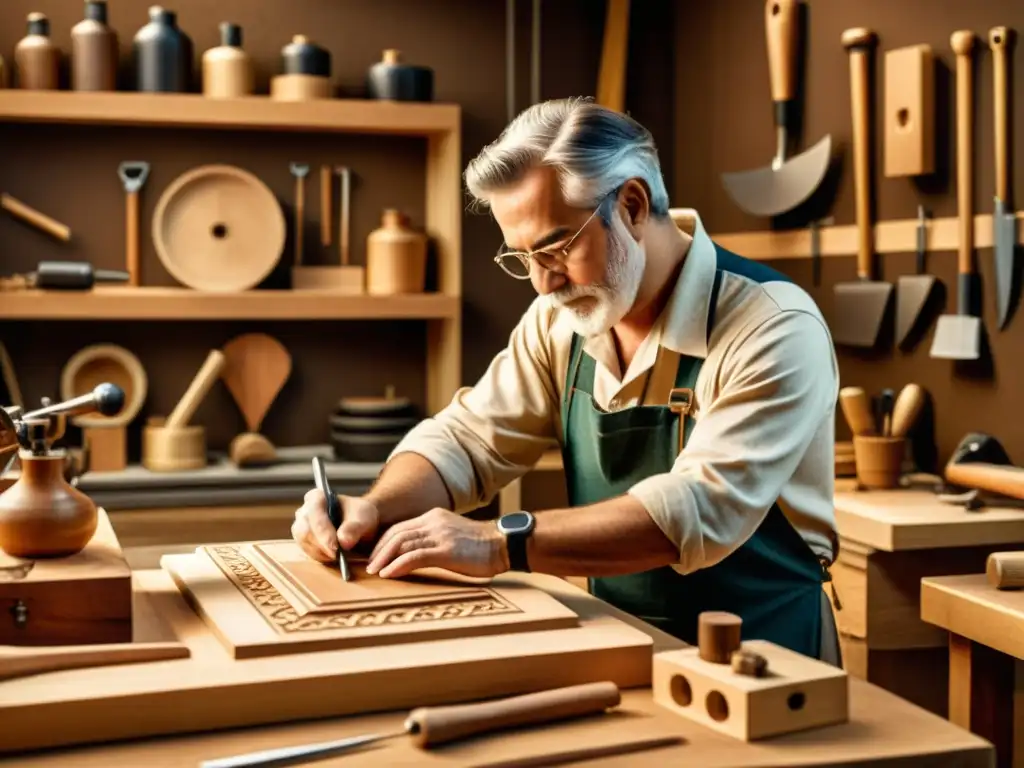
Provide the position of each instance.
(94, 51)
(42, 515)
(227, 69)
(163, 54)
(303, 57)
(396, 257)
(393, 80)
(36, 58)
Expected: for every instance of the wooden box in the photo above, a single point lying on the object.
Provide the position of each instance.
(796, 694)
(82, 599)
(269, 598)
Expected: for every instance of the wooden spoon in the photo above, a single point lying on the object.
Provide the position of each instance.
(17, 661)
(256, 367)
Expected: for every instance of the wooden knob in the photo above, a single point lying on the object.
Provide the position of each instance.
(962, 42)
(1005, 570)
(859, 37)
(718, 636)
(999, 38)
(749, 663)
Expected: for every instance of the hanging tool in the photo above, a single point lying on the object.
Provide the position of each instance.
(611, 80)
(1004, 221)
(37, 219)
(788, 181)
(133, 174)
(906, 409)
(815, 227)
(333, 511)
(861, 306)
(854, 403)
(326, 204)
(913, 292)
(299, 171)
(345, 175)
(958, 337)
(434, 726)
(63, 275)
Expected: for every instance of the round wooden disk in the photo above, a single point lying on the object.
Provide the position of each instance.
(718, 635)
(98, 364)
(219, 228)
(374, 406)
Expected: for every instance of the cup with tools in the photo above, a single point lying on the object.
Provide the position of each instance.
(880, 437)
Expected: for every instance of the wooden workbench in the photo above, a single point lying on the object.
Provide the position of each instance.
(889, 541)
(884, 731)
(986, 649)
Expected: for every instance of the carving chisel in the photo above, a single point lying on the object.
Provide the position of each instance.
(333, 511)
(433, 726)
(1004, 222)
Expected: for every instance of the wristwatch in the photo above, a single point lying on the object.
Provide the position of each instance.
(516, 527)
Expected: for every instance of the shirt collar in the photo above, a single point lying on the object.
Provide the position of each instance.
(684, 321)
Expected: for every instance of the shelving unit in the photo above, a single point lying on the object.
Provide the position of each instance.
(439, 124)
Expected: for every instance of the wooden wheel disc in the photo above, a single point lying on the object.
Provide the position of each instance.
(219, 228)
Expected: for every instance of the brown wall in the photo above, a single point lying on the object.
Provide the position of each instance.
(70, 173)
(724, 123)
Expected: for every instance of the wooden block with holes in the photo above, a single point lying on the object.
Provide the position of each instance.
(795, 692)
(909, 112)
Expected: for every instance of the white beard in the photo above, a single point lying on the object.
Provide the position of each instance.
(615, 295)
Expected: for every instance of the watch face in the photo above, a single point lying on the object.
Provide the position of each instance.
(516, 522)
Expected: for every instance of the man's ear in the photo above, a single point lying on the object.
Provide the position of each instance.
(635, 205)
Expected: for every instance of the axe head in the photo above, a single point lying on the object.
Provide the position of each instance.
(769, 192)
(979, 448)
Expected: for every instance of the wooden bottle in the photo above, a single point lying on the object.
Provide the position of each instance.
(396, 257)
(227, 69)
(42, 515)
(36, 58)
(94, 50)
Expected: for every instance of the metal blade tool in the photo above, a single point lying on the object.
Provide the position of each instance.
(333, 511)
(1004, 221)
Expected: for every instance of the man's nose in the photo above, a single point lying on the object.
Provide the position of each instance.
(544, 280)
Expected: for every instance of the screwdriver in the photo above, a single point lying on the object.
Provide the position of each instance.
(64, 275)
(433, 726)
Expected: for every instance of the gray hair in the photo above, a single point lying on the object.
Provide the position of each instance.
(595, 150)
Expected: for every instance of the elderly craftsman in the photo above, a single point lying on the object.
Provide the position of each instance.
(692, 393)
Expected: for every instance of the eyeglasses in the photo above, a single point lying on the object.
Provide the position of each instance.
(517, 263)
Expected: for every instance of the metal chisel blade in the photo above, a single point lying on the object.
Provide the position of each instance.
(1005, 239)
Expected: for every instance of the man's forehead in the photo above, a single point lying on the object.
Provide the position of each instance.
(532, 213)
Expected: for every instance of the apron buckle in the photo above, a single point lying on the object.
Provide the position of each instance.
(680, 402)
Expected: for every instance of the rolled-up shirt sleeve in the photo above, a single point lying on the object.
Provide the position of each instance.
(495, 431)
(777, 387)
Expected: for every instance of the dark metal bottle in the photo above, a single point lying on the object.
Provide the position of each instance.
(94, 51)
(163, 54)
(302, 57)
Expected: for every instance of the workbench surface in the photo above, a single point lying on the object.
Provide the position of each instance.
(971, 607)
(915, 518)
(883, 730)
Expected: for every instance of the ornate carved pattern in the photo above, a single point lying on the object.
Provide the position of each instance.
(279, 613)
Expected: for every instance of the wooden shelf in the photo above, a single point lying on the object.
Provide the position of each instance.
(251, 112)
(125, 303)
(897, 236)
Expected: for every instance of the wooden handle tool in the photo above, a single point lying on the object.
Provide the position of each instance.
(781, 26)
(963, 44)
(857, 410)
(299, 171)
(17, 661)
(133, 175)
(906, 409)
(611, 80)
(346, 209)
(198, 389)
(998, 40)
(859, 42)
(326, 203)
(994, 478)
(1005, 570)
(37, 219)
(433, 726)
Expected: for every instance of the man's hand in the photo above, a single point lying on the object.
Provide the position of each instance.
(313, 530)
(440, 539)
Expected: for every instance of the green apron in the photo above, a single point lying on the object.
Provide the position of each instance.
(773, 581)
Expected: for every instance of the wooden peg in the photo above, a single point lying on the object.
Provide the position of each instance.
(749, 663)
(718, 636)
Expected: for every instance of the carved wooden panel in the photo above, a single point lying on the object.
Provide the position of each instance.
(313, 587)
(272, 619)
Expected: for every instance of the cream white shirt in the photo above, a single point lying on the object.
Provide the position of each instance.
(764, 411)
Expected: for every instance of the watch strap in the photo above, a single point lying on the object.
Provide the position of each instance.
(517, 559)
